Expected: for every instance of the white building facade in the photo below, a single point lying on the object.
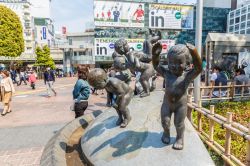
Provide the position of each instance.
(239, 20)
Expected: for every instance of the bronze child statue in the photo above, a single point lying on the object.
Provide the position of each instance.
(134, 64)
(176, 84)
(99, 79)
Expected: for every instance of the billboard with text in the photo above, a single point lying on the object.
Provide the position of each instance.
(165, 16)
(118, 14)
(105, 46)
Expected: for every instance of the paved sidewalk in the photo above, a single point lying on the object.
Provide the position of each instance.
(35, 118)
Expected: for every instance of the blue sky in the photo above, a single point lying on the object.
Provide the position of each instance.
(74, 14)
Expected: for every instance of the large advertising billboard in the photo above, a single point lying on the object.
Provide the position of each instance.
(164, 16)
(118, 14)
(105, 46)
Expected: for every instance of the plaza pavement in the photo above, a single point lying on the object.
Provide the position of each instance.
(35, 118)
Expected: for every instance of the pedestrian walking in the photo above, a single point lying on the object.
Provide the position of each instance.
(7, 90)
(22, 77)
(81, 91)
(32, 80)
(49, 79)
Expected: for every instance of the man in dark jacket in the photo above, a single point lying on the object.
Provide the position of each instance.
(49, 79)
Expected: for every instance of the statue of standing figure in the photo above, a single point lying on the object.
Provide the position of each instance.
(134, 61)
(177, 81)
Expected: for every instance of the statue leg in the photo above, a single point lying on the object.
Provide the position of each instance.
(124, 109)
(145, 85)
(153, 87)
(116, 107)
(179, 118)
(165, 120)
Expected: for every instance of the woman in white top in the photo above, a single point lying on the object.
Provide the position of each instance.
(7, 90)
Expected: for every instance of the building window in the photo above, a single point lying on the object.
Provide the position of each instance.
(231, 28)
(231, 14)
(249, 8)
(237, 27)
(242, 32)
(237, 32)
(75, 53)
(244, 10)
(237, 20)
(248, 16)
(248, 24)
(243, 25)
(237, 12)
(248, 31)
(231, 22)
(70, 41)
(243, 18)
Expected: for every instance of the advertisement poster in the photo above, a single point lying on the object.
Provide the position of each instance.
(118, 14)
(244, 61)
(105, 46)
(164, 16)
(166, 45)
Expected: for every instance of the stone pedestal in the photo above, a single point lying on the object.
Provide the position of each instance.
(105, 144)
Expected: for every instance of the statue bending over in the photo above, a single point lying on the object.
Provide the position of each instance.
(176, 84)
(99, 79)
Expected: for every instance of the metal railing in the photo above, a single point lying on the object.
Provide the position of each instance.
(227, 124)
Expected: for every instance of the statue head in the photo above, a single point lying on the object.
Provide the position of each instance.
(121, 46)
(98, 78)
(178, 59)
(120, 63)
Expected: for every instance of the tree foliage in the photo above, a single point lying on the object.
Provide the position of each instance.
(43, 58)
(11, 33)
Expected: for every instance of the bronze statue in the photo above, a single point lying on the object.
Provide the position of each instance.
(132, 61)
(99, 79)
(176, 84)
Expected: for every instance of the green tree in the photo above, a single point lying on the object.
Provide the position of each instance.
(43, 58)
(11, 33)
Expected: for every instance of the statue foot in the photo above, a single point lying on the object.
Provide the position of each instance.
(178, 145)
(119, 121)
(144, 95)
(125, 122)
(165, 139)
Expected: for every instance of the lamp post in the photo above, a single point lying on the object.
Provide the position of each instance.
(198, 44)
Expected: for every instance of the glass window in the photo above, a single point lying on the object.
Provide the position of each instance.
(231, 28)
(232, 14)
(243, 10)
(243, 25)
(237, 20)
(237, 27)
(75, 53)
(248, 24)
(248, 16)
(231, 22)
(248, 7)
(243, 18)
(237, 32)
(70, 41)
(248, 31)
(242, 32)
(237, 13)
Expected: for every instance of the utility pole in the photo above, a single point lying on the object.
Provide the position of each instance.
(198, 45)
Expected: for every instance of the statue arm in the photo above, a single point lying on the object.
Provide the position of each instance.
(156, 50)
(196, 62)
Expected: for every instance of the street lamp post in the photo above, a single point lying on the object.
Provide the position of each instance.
(198, 44)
